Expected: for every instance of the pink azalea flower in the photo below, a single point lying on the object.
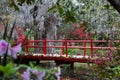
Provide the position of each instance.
(58, 73)
(39, 74)
(15, 50)
(26, 74)
(98, 62)
(79, 30)
(3, 47)
(73, 32)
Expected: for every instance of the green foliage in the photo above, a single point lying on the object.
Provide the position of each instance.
(50, 76)
(8, 71)
(52, 8)
(14, 5)
(8, 38)
(72, 52)
(66, 10)
(108, 69)
(108, 72)
(5, 32)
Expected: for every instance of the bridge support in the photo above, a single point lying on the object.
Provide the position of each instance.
(65, 62)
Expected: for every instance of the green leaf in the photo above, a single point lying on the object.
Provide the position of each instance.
(29, 2)
(40, 1)
(23, 66)
(52, 8)
(1, 68)
(11, 32)
(73, 19)
(5, 31)
(58, 1)
(21, 1)
(31, 64)
(61, 11)
(69, 17)
(11, 3)
(16, 7)
(20, 4)
(10, 69)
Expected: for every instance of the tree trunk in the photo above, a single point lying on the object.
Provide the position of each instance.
(115, 4)
(39, 33)
(50, 29)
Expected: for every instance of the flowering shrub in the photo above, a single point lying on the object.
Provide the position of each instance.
(108, 69)
(10, 70)
(75, 31)
(35, 73)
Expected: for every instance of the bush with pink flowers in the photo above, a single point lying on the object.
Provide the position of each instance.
(11, 71)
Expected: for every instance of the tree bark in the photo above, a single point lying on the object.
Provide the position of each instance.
(115, 4)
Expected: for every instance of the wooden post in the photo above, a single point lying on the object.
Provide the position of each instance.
(84, 47)
(72, 65)
(63, 43)
(66, 46)
(44, 48)
(91, 47)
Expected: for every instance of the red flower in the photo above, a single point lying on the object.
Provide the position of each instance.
(74, 33)
(79, 30)
(21, 38)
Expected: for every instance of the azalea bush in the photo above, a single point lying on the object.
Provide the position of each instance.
(73, 31)
(108, 69)
(11, 71)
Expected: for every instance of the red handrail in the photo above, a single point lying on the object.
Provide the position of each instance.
(65, 45)
(88, 41)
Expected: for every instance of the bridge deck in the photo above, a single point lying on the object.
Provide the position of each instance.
(57, 57)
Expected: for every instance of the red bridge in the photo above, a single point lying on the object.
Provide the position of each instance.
(63, 56)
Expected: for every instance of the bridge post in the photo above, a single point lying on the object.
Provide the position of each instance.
(66, 46)
(27, 48)
(63, 42)
(91, 47)
(110, 45)
(84, 47)
(45, 46)
(72, 65)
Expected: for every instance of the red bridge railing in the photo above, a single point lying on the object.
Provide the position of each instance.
(65, 46)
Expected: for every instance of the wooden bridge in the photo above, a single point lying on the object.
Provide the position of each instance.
(63, 57)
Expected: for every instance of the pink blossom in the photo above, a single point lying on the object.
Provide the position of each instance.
(26, 74)
(73, 32)
(98, 62)
(79, 30)
(39, 74)
(58, 73)
(15, 50)
(12, 51)
(3, 47)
